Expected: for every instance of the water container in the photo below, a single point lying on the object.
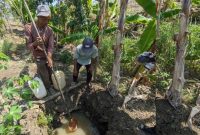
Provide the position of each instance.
(39, 92)
(61, 80)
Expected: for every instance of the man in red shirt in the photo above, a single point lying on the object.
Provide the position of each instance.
(35, 44)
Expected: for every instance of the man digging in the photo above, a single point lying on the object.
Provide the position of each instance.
(85, 55)
(35, 44)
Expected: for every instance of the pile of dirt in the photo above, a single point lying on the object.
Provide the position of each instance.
(171, 121)
(143, 107)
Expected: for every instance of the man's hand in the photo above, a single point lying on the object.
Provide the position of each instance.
(38, 42)
(39, 48)
(50, 62)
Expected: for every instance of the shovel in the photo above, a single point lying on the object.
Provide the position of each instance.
(73, 121)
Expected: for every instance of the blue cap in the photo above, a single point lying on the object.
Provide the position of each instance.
(87, 43)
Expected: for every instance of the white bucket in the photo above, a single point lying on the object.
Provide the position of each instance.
(39, 92)
(61, 80)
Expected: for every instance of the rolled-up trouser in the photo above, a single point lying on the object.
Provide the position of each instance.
(44, 71)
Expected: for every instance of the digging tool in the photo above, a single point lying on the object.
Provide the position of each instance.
(43, 46)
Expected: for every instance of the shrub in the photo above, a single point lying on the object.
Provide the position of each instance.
(66, 57)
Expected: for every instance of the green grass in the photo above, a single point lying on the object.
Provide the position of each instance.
(6, 46)
(189, 96)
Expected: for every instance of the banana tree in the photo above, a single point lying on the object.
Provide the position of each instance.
(100, 31)
(113, 86)
(101, 21)
(149, 33)
(175, 90)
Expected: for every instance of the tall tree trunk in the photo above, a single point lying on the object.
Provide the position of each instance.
(113, 87)
(174, 92)
(107, 16)
(101, 21)
(100, 31)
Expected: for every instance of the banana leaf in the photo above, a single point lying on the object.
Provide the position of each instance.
(149, 6)
(73, 37)
(55, 29)
(169, 13)
(147, 37)
(109, 30)
(137, 19)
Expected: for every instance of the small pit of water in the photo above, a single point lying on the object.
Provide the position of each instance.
(85, 126)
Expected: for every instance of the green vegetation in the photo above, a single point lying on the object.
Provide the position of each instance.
(14, 89)
(44, 120)
(66, 57)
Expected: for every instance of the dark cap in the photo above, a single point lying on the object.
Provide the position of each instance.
(87, 43)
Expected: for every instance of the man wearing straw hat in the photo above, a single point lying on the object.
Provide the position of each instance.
(35, 43)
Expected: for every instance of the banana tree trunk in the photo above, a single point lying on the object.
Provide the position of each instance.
(100, 32)
(174, 92)
(113, 87)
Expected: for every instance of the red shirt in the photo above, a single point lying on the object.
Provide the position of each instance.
(31, 36)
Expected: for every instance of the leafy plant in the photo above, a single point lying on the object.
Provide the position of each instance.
(137, 19)
(169, 13)
(11, 89)
(190, 95)
(23, 80)
(26, 94)
(10, 126)
(194, 43)
(44, 120)
(10, 130)
(196, 2)
(3, 57)
(106, 53)
(147, 37)
(149, 6)
(160, 80)
(34, 84)
(10, 92)
(13, 115)
(6, 47)
(66, 57)
(73, 37)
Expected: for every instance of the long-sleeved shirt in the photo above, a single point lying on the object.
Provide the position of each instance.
(31, 36)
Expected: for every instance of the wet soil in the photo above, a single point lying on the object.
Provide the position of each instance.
(171, 121)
